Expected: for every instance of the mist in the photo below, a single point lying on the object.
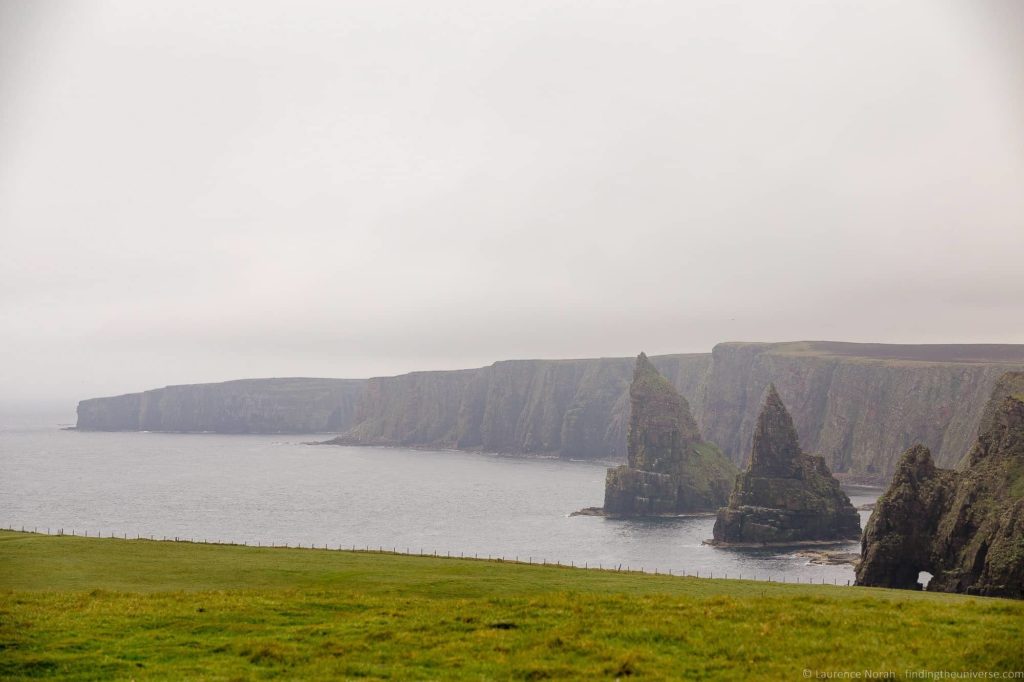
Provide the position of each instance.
(198, 192)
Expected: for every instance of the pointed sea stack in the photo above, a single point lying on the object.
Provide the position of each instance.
(670, 470)
(964, 527)
(785, 496)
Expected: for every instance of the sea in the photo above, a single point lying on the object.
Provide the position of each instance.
(281, 489)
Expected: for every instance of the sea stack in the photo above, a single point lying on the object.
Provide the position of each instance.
(964, 527)
(784, 496)
(670, 469)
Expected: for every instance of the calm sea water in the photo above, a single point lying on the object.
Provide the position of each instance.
(275, 489)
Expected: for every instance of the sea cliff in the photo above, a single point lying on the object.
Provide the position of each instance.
(858, 405)
(245, 406)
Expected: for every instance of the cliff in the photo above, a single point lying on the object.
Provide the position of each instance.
(964, 527)
(669, 469)
(784, 496)
(855, 404)
(576, 409)
(246, 406)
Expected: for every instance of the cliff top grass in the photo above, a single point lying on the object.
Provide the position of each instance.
(1011, 355)
(87, 608)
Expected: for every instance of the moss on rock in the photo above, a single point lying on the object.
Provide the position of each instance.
(964, 527)
(670, 469)
(784, 496)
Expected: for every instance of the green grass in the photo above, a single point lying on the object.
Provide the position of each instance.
(91, 608)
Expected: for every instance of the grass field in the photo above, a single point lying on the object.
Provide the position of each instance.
(87, 608)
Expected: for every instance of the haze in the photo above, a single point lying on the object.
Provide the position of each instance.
(204, 191)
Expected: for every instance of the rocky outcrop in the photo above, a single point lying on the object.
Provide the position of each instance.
(964, 527)
(855, 404)
(898, 539)
(669, 469)
(247, 406)
(784, 496)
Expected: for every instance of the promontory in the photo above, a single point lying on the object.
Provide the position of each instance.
(965, 527)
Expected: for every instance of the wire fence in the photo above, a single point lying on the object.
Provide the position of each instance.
(421, 552)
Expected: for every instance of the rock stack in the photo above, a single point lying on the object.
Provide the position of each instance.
(784, 496)
(964, 527)
(670, 469)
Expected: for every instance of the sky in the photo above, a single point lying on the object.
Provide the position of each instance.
(196, 191)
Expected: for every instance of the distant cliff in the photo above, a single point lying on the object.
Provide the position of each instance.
(245, 406)
(572, 408)
(858, 405)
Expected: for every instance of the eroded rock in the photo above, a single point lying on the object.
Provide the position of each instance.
(784, 496)
(964, 527)
(670, 469)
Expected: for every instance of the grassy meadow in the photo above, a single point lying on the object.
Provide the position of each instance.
(88, 608)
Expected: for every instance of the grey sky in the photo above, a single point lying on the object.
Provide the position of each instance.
(204, 191)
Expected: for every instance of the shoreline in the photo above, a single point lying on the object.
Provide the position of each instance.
(796, 544)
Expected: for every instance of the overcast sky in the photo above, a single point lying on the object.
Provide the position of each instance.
(205, 191)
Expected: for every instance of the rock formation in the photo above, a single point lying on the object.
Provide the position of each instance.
(784, 496)
(858, 405)
(964, 527)
(246, 406)
(669, 470)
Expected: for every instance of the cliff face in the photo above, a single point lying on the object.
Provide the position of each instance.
(247, 406)
(572, 408)
(965, 527)
(855, 404)
(784, 495)
(669, 469)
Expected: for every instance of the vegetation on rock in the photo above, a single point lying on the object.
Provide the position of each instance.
(964, 527)
(670, 469)
(784, 496)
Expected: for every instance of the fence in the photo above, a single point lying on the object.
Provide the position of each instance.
(616, 568)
